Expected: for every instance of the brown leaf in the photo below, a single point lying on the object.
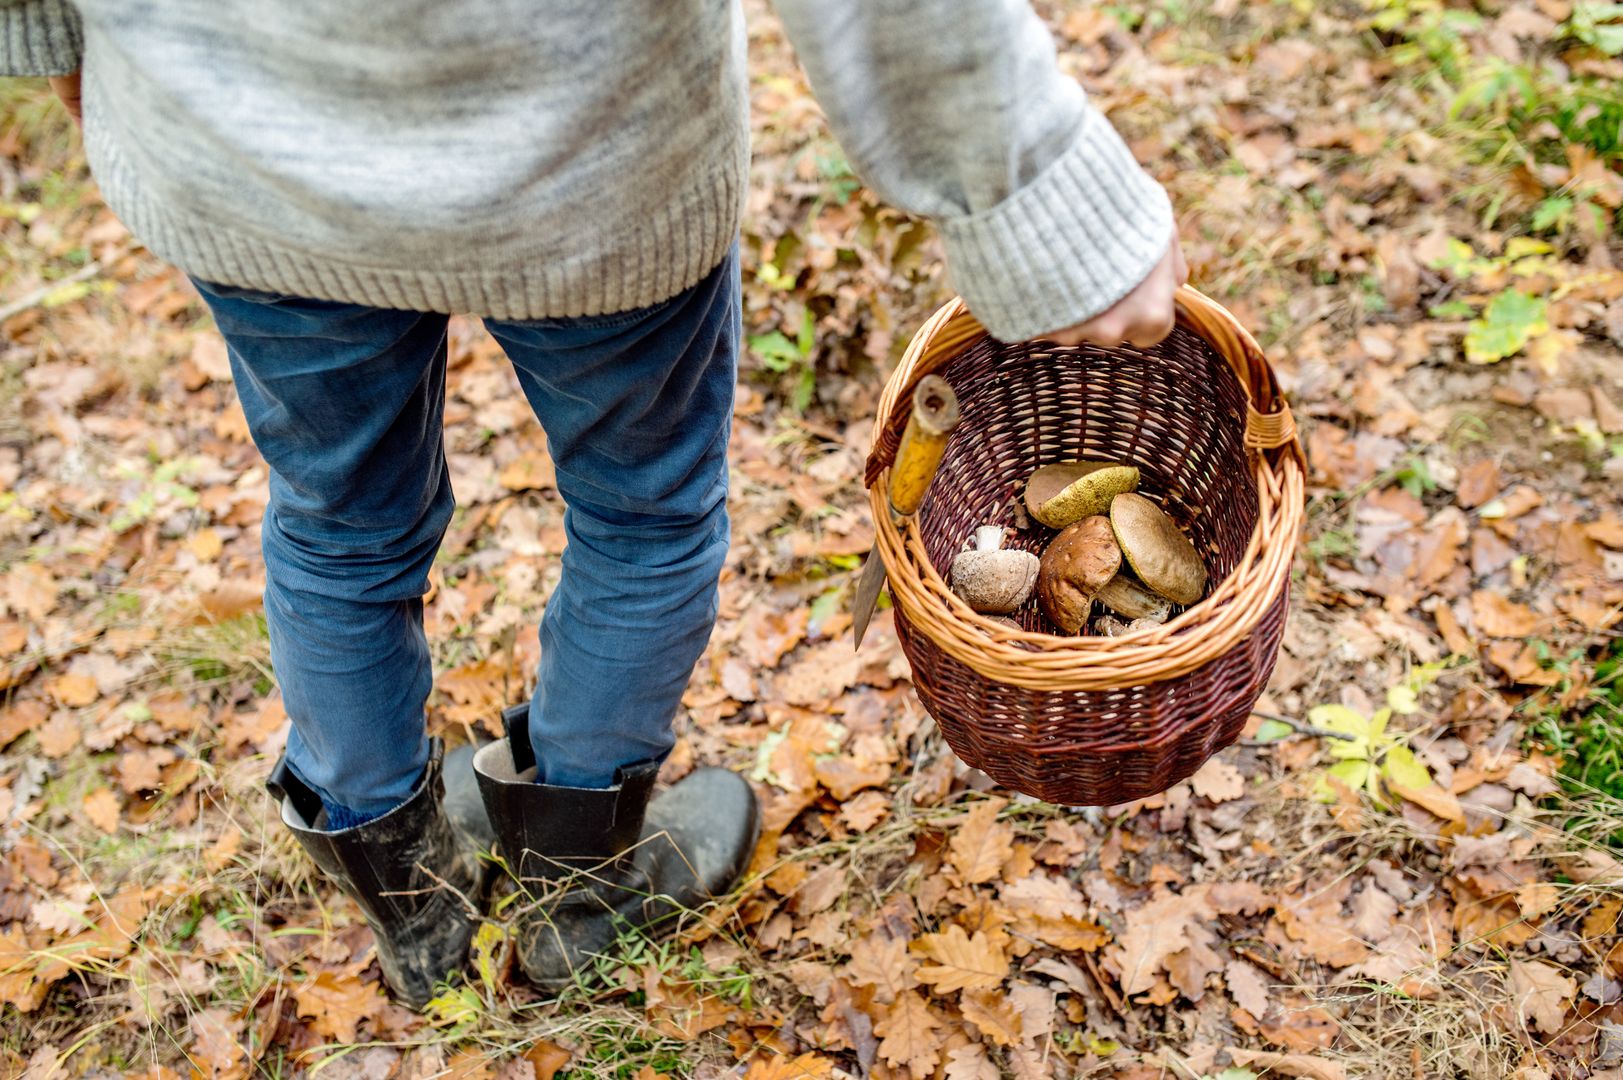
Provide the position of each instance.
(1479, 482)
(72, 691)
(863, 812)
(1497, 617)
(807, 1066)
(338, 1004)
(1218, 781)
(532, 471)
(993, 1013)
(59, 735)
(1154, 932)
(909, 1036)
(960, 960)
(546, 1058)
(844, 775)
(1373, 912)
(102, 809)
(31, 590)
(969, 1062)
(884, 964)
(20, 984)
(982, 844)
(216, 1034)
(1247, 987)
(1541, 994)
(1300, 1065)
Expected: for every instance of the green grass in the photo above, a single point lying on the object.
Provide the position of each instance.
(1589, 736)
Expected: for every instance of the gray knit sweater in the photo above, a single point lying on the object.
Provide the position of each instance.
(549, 158)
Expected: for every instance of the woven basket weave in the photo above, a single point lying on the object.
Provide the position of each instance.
(1096, 721)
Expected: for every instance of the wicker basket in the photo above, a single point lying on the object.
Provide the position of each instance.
(1097, 721)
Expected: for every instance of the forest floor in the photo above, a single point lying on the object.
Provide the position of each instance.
(1412, 203)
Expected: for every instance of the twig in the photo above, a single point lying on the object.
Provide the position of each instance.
(43, 293)
(1303, 729)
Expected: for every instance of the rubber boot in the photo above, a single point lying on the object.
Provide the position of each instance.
(597, 863)
(416, 882)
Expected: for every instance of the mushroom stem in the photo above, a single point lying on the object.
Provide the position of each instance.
(988, 537)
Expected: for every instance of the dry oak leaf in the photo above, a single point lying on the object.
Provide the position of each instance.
(982, 844)
(1218, 781)
(59, 735)
(1300, 1065)
(216, 1033)
(969, 1062)
(865, 811)
(1497, 617)
(546, 1058)
(993, 1013)
(338, 1003)
(909, 1034)
(1541, 993)
(1300, 1026)
(884, 964)
(845, 775)
(20, 984)
(102, 808)
(31, 590)
(1154, 932)
(1247, 987)
(960, 961)
(807, 1066)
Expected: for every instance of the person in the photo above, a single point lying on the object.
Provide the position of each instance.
(336, 179)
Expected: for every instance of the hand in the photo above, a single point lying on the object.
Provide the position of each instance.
(66, 88)
(1144, 316)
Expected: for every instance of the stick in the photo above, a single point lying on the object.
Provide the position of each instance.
(1302, 729)
(39, 295)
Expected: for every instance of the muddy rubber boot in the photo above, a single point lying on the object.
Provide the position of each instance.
(405, 870)
(599, 862)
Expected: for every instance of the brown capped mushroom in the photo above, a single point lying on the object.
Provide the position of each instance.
(1065, 492)
(1161, 556)
(1126, 597)
(992, 579)
(1080, 561)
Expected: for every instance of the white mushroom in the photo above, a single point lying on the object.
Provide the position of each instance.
(992, 579)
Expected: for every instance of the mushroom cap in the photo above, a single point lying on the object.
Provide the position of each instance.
(1127, 597)
(1160, 554)
(1080, 561)
(1068, 491)
(994, 582)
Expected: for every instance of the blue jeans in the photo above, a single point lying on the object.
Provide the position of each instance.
(345, 402)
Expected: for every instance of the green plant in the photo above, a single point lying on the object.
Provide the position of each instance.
(779, 354)
(1588, 737)
(1369, 755)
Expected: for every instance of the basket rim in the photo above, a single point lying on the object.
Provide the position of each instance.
(1198, 635)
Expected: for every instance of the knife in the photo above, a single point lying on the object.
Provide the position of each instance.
(935, 414)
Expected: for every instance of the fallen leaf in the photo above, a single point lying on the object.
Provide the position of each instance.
(1495, 616)
(807, 1066)
(982, 844)
(1154, 932)
(31, 590)
(993, 1014)
(72, 691)
(102, 808)
(1247, 987)
(908, 1035)
(216, 1035)
(546, 1058)
(1541, 994)
(338, 1004)
(1299, 1065)
(884, 964)
(969, 1062)
(960, 961)
(1218, 781)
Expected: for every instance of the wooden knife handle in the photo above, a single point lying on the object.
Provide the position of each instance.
(935, 414)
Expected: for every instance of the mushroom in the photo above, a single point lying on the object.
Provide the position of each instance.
(1160, 555)
(1126, 597)
(992, 579)
(1080, 561)
(1068, 491)
(1110, 626)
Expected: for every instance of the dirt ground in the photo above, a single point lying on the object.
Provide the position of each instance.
(1428, 258)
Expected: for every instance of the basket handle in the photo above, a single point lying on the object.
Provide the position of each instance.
(1268, 422)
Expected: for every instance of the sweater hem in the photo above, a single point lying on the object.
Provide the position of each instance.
(670, 249)
(40, 37)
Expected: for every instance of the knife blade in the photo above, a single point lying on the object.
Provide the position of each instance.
(934, 416)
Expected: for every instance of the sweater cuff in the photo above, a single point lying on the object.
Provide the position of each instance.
(39, 37)
(1065, 247)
